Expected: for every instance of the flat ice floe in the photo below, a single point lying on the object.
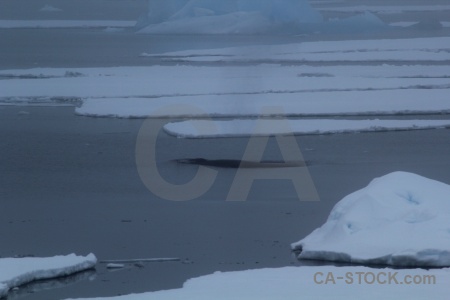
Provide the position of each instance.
(401, 219)
(18, 271)
(418, 49)
(160, 81)
(291, 283)
(385, 102)
(263, 127)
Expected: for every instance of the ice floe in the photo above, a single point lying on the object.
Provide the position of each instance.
(400, 219)
(18, 271)
(319, 283)
(264, 127)
(416, 49)
(385, 102)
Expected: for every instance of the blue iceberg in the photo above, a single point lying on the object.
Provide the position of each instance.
(243, 17)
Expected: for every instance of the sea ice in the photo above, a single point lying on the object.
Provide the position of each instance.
(291, 283)
(400, 219)
(18, 271)
(264, 127)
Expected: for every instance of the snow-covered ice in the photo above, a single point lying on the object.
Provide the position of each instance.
(264, 127)
(385, 102)
(400, 219)
(291, 283)
(159, 81)
(416, 49)
(18, 271)
(209, 90)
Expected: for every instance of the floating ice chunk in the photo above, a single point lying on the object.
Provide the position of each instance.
(115, 266)
(400, 219)
(17, 271)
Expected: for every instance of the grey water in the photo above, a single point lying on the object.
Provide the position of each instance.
(70, 184)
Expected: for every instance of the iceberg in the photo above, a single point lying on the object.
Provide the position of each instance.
(400, 219)
(244, 17)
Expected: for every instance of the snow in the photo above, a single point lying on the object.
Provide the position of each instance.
(18, 271)
(191, 80)
(418, 49)
(264, 127)
(384, 102)
(9, 24)
(244, 90)
(400, 219)
(300, 283)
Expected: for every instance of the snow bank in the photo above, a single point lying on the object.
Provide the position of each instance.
(264, 127)
(244, 17)
(18, 271)
(291, 283)
(400, 219)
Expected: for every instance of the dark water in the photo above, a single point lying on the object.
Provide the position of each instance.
(70, 184)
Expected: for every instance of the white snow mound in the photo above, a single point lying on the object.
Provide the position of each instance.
(400, 219)
(18, 271)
